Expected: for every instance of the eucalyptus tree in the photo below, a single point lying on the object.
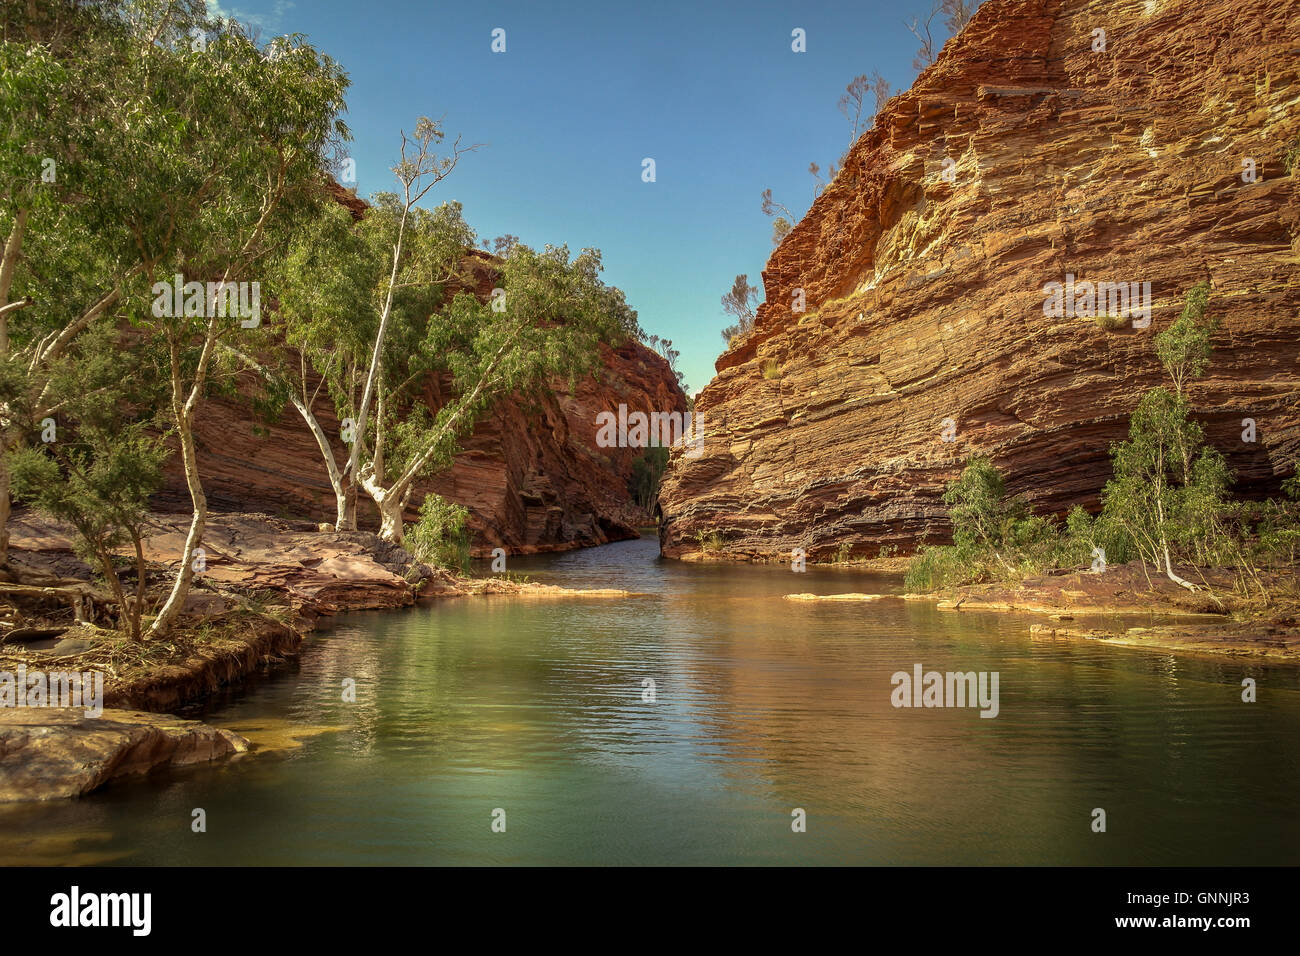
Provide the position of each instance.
(62, 265)
(383, 317)
(546, 320)
(435, 355)
(182, 151)
(346, 318)
(242, 137)
(1169, 487)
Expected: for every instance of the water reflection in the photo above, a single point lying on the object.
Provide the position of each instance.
(761, 706)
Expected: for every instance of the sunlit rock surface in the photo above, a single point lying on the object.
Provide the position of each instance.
(925, 297)
(52, 753)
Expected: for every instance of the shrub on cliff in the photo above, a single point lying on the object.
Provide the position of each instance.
(741, 303)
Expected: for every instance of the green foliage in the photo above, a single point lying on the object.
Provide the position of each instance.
(137, 152)
(1291, 158)
(934, 568)
(710, 541)
(105, 459)
(771, 369)
(1084, 534)
(440, 538)
(555, 315)
(1184, 348)
(995, 537)
(978, 506)
(647, 473)
(1169, 491)
(1276, 533)
(99, 483)
(1291, 486)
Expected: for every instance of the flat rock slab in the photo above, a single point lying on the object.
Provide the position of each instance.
(555, 591)
(852, 596)
(51, 753)
(325, 572)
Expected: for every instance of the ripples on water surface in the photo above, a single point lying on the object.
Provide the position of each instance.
(763, 705)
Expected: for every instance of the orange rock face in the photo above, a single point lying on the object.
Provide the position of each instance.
(924, 280)
(531, 474)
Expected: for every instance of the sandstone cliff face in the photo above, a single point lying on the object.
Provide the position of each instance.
(925, 297)
(531, 474)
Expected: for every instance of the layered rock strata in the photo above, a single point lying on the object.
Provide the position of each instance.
(1025, 155)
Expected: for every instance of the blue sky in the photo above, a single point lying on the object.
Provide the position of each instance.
(584, 92)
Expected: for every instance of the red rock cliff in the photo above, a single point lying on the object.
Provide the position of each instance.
(531, 474)
(925, 297)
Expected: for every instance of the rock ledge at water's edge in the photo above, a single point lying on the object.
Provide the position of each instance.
(51, 753)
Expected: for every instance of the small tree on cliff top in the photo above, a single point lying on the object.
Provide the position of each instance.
(742, 303)
(782, 223)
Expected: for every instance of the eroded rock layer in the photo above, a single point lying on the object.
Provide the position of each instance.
(924, 296)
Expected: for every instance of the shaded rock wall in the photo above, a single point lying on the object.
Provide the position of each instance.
(925, 297)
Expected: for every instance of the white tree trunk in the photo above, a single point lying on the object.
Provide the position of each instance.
(344, 490)
(183, 412)
(391, 503)
(341, 510)
(1164, 545)
(390, 520)
(181, 588)
(1169, 572)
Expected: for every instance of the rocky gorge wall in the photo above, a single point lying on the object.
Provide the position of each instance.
(532, 474)
(924, 293)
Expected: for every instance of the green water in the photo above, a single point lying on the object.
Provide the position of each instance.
(762, 706)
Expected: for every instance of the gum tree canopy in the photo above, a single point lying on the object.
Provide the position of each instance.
(146, 141)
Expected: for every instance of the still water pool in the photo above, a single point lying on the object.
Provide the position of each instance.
(761, 706)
